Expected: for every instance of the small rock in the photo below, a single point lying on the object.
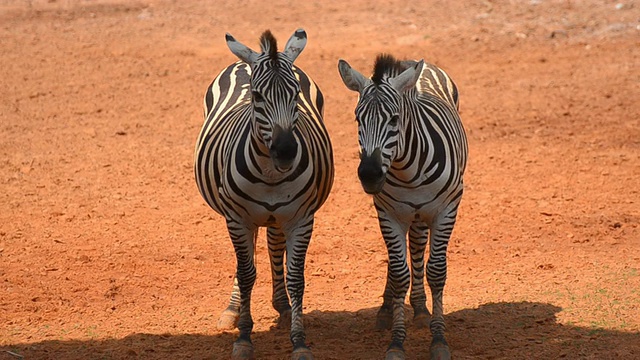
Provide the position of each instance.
(558, 34)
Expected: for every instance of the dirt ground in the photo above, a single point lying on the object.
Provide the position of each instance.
(107, 251)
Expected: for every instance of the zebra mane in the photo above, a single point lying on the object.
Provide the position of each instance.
(269, 45)
(387, 66)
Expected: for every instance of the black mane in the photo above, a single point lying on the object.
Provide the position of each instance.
(386, 66)
(269, 44)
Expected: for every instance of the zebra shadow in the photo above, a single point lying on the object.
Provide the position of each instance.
(508, 330)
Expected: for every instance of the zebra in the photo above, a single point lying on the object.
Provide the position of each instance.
(413, 153)
(264, 159)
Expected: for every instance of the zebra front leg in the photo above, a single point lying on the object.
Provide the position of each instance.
(297, 242)
(418, 243)
(384, 318)
(228, 320)
(244, 246)
(280, 299)
(418, 297)
(398, 280)
(439, 236)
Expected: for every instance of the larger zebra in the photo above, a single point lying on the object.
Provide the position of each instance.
(413, 153)
(264, 159)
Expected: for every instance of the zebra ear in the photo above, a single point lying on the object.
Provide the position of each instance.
(295, 45)
(408, 78)
(241, 51)
(351, 78)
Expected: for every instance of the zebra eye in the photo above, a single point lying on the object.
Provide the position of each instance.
(257, 97)
(394, 121)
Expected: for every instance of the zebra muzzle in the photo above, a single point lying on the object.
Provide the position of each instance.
(370, 172)
(284, 148)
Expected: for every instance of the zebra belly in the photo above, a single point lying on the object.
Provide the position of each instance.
(422, 203)
(264, 204)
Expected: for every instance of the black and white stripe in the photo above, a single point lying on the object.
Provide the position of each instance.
(264, 159)
(413, 156)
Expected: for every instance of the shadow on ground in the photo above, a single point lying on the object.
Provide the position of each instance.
(493, 331)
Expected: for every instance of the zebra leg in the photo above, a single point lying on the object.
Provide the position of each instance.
(243, 243)
(384, 318)
(296, 250)
(398, 280)
(228, 320)
(439, 236)
(418, 298)
(280, 299)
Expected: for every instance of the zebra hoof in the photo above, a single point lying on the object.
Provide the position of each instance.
(242, 350)
(421, 320)
(284, 320)
(384, 319)
(302, 354)
(228, 320)
(394, 354)
(440, 351)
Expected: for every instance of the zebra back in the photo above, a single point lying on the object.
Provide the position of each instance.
(435, 85)
(435, 81)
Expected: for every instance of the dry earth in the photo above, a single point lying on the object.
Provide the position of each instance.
(107, 250)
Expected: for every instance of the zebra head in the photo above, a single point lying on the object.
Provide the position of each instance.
(379, 114)
(274, 93)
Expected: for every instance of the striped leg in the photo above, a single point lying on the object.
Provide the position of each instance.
(398, 281)
(384, 318)
(436, 277)
(243, 243)
(297, 243)
(280, 299)
(418, 243)
(418, 298)
(228, 320)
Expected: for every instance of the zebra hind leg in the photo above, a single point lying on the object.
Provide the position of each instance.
(280, 299)
(418, 243)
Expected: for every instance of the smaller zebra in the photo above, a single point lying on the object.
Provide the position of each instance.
(413, 153)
